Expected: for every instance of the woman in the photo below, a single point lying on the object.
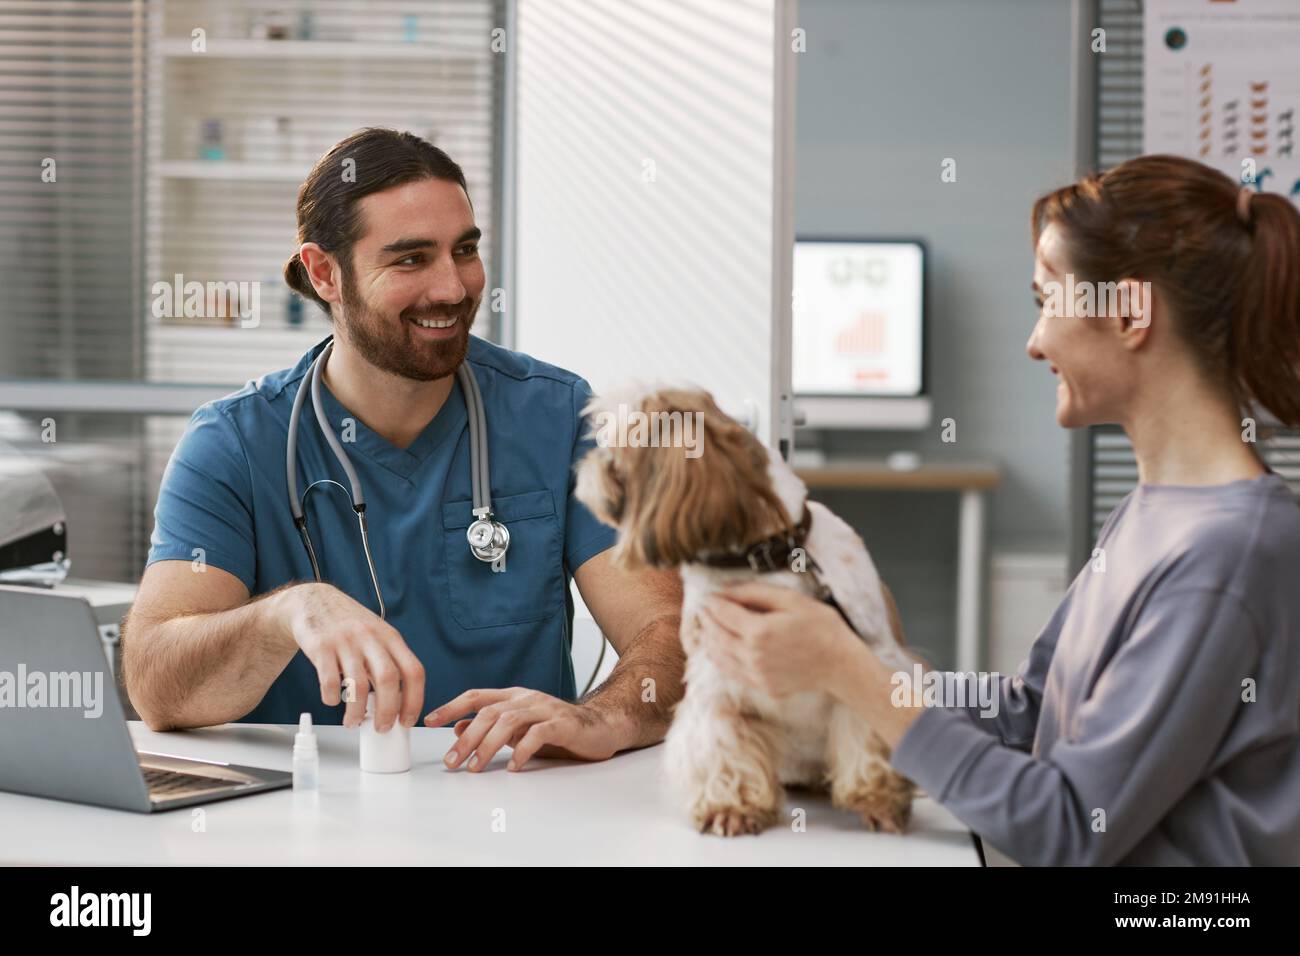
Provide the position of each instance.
(1155, 720)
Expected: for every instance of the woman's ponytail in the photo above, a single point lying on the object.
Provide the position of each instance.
(1265, 353)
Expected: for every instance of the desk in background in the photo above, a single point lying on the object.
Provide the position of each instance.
(972, 480)
(554, 812)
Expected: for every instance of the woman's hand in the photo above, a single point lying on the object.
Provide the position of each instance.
(784, 642)
(775, 639)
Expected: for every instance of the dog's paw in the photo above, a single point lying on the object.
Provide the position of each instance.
(886, 817)
(885, 806)
(734, 821)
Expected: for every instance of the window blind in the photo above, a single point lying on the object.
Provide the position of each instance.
(71, 148)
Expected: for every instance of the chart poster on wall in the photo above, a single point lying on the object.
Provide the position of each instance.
(1221, 84)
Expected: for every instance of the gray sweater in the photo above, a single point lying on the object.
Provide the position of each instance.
(1157, 718)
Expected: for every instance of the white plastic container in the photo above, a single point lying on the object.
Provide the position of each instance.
(306, 757)
(384, 753)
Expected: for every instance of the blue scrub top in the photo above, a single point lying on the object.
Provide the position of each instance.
(224, 492)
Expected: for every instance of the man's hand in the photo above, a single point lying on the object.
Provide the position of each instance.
(340, 636)
(531, 723)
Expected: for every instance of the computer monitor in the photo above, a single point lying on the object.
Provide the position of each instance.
(859, 333)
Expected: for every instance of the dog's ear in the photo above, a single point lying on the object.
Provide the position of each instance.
(598, 486)
(681, 502)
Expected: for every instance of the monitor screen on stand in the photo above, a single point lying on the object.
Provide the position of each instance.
(859, 336)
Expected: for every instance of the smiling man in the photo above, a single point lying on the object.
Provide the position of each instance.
(229, 623)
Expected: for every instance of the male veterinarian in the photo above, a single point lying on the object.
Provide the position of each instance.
(424, 600)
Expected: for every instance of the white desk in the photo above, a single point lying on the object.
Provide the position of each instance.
(555, 812)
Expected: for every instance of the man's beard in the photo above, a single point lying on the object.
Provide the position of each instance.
(389, 346)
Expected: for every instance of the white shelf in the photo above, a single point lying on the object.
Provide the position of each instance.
(233, 169)
(310, 49)
(232, 219)
(188, 353)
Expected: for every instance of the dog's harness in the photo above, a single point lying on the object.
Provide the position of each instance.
(774, 553)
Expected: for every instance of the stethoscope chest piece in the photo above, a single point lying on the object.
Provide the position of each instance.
(488, 539)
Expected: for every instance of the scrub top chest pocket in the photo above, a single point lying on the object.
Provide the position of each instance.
(531, 588)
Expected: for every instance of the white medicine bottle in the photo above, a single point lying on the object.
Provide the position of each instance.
(387, 752)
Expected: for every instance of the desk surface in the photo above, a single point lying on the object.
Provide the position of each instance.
(555, 811)
(929, 476)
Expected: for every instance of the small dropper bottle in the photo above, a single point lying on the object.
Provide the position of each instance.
(306, 759)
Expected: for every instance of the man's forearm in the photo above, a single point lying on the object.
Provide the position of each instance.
(203, 669)
(645, 685)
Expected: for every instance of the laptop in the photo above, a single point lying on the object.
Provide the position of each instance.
(62, 730)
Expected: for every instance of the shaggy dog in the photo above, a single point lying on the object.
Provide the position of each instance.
(723, 512)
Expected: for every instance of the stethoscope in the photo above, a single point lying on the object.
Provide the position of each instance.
(489, 539)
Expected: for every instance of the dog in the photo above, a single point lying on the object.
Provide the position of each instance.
(724, 512)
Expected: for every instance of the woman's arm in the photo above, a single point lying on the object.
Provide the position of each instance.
(1138, 744)
(1005, 707)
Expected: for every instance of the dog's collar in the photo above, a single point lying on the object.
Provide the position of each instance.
(773, 554)
(770, 554)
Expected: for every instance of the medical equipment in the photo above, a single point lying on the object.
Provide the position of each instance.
(488, 538)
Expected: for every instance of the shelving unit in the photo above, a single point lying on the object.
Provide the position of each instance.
(315, 49)
(234, 123)
(229, 169)
(279, 105)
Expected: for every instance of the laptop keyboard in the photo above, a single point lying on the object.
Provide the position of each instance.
(167, 784)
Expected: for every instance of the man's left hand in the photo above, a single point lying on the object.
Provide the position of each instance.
(528, 721)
